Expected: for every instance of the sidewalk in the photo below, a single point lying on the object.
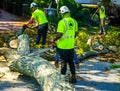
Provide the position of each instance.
(97, 76)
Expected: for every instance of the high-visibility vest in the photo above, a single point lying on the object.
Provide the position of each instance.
(102, 12)
(40, 16)
(68, 38)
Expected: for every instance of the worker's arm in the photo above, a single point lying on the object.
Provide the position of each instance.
(30, 21)
(76, 33)
(97, 11)
(102, 8)
(58, 36)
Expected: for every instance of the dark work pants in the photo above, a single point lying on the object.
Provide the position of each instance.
(74, 58)
(42, 33)
(66, 56)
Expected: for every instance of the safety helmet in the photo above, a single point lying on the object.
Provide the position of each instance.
(33, 5)
(64, 9)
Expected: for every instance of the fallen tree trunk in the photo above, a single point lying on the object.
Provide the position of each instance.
(3, 50)
(33, 65)
(95, 52)
(97, 49)
(90, 54)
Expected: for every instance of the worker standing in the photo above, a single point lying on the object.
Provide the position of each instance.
(102, 18)
(65, 40)
(39, 17)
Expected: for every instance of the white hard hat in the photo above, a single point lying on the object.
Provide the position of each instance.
(33, 5)
(64, 9)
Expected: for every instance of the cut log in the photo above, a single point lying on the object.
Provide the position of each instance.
(35, 66)
(13, 43)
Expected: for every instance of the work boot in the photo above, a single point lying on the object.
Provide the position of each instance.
(43, 46)
(65, 78)
(100, 32)
(104, 33)
(37, 46)
(73, 79)
(77, 66)
(56, 65)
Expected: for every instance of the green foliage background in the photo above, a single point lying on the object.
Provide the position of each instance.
(111, 39)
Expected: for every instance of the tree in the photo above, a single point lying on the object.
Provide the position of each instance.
(70, 4)
(43, 3)
(106, 4)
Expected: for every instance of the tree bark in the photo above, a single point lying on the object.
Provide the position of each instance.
(97, 49)
(90, 54)
(31, 64)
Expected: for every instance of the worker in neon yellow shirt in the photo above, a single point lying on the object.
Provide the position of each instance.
(65, 40)
(39, 17)
(102, 18)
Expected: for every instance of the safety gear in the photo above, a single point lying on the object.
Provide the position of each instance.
(64, 9)
(53, 44)
(77, 66)
(102, 12)
(24, 26)
(33, 5)
(56, 64)
(73, 80)
(104, 33)
(67, 26)
(40, 16)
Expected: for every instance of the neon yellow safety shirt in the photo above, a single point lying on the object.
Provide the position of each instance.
(102, 12)
(67, 26)
(39, 16)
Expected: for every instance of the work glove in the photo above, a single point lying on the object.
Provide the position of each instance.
(24, 26)
(52, 46)
(53, 43)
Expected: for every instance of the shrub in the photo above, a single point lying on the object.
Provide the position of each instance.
(112, 38)
(81, 41)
